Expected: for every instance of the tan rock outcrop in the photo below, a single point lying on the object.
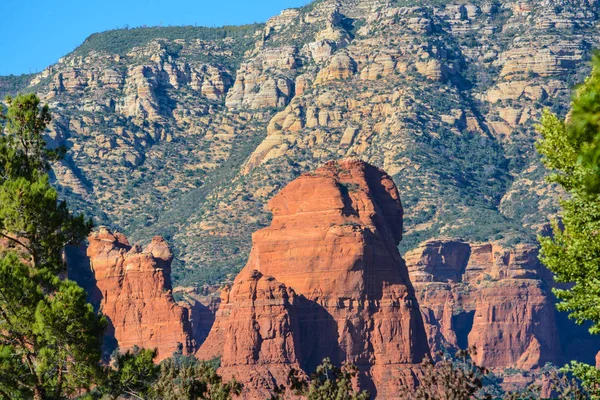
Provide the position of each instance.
(329, 40)
(382, 65)
(341, 66)
(264, 81)
(282, 20)
(140, 93)
(431, 69)
(516, 90)
(210, 81)
(554, 60)
(112, 79)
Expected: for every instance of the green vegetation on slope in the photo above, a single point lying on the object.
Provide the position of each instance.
(459, 146)
(121, 41)
(50, 341)
(13, 84)
(191, 206)
(50, 336)
(134, 375)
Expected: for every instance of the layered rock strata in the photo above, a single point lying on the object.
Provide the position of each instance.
(487, 296)
(256, 333)
(133, 290)
(442, 96)
(325, 280)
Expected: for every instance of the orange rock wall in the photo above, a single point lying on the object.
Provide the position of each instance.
(333, 242)
(256, 333)
(486, 296)
(134, 292)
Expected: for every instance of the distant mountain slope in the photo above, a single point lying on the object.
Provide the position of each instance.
(12, 84)
(187, 132)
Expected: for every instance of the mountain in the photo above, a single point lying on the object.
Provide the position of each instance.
(186, 132)
(326, 280)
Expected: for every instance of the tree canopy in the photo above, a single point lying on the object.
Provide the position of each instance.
(571, 149)
(50, 337)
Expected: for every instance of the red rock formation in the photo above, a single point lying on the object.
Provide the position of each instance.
(255, 333)
(134, 292)
(333, 241)
(514, 326)
(486, 296)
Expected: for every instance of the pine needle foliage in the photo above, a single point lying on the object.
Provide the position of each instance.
(571, 149)
(50, 337)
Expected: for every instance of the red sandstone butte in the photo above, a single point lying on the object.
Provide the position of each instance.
(487, 296)
(255, 333)
(135, 294)
(335, 286)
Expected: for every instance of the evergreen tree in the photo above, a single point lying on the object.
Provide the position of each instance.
(328, 382)
(186, 378)
(50, 337)
(130, 375)
(459, 378)
(450, 378)
(134, 375)
(571, 148)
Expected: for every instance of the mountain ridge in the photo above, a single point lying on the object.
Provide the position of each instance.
(188, 137)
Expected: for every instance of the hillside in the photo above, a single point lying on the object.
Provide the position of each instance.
(187, 132)
(12, 84)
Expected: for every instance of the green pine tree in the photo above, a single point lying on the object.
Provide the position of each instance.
(186, 378)
(327, 382)
(570, 148)
(130, 375)
(50, 337)
(134, 375)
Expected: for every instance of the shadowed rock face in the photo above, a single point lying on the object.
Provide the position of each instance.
(333, 243)
(133, 290)
(487, 296)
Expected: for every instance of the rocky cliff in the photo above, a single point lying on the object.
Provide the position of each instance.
(325, 279)
(133, 290)
(256, 333)
(495, 298)
(187, 132)
(171, 130)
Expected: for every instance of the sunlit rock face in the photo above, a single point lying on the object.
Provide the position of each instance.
(133, 290)
(325, 279)
(488, 296)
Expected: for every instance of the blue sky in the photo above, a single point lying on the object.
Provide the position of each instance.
(36, 33)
